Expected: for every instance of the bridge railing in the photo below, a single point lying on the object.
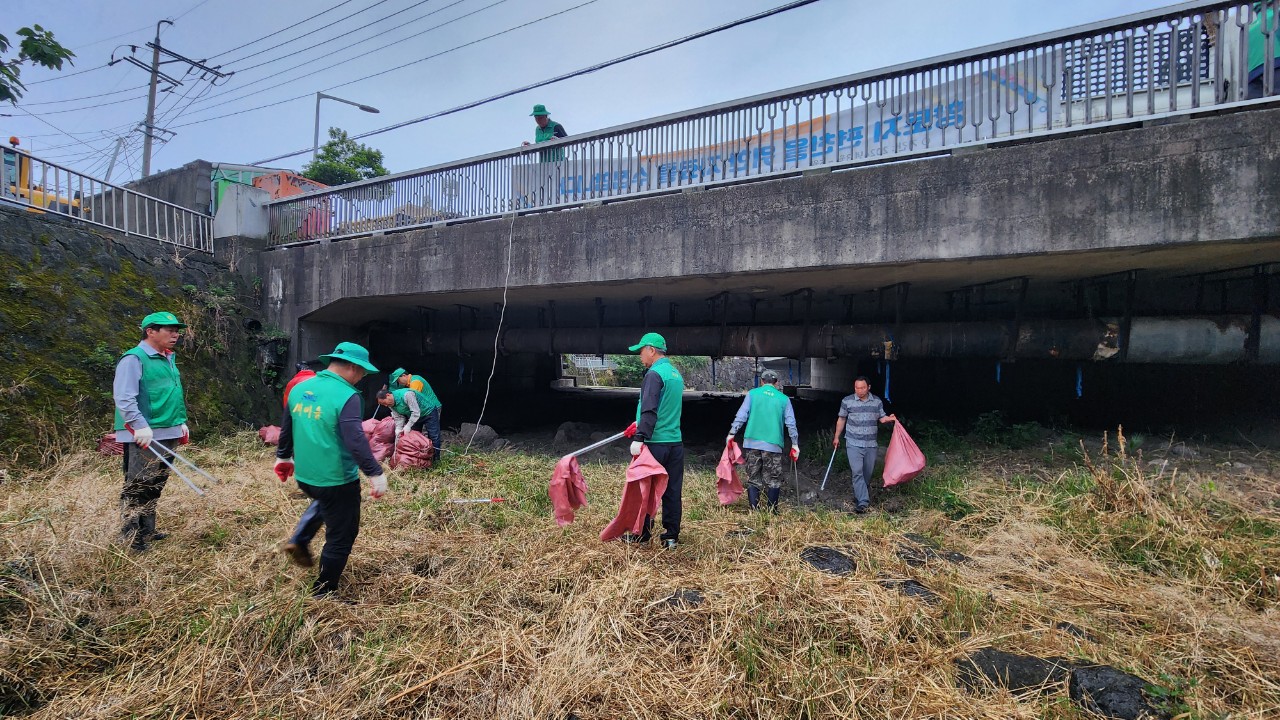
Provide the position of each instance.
(1176, 60)
(44, 186)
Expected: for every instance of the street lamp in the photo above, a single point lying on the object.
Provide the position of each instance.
(315, 146)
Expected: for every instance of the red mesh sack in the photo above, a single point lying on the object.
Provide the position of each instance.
(413, 451)
(107, 445)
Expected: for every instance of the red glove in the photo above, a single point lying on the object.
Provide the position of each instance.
(630, 432)
(795, 454)
(186, 435)
(283, 468)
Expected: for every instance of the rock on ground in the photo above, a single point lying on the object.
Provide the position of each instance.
(485, 435)
(1111, 693)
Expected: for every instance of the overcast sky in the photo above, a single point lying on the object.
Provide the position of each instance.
(823, 40)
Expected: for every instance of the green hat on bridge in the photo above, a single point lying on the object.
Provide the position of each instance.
(352, 353)
(539, 109)
(395, 375)
(161, 319)
(657, 341)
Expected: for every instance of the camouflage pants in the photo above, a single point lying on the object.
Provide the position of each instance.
(144, 480)
(764, 468)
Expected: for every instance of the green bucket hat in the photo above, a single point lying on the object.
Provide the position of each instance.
(352, 353)
(654, 339)
(161, 319)
(539, 109)
(395, 375)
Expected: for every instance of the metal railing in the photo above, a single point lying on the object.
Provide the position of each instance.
(43, 186)
(1176, 60)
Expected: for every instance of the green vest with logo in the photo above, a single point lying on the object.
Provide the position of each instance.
(160, 398)
(320, 458)
(401, 406)
(667, 429)
(764, 422)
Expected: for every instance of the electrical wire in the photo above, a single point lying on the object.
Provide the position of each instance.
(90, 107)
(353, 59)
(86, 97)
(277, 32)
(322, 27)
(561, 78)
(55, 127)
(497, 336)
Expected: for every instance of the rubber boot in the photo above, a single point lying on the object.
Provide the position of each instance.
(147, 527)
(435, 456)
(773, 499)
(753, 497)
(327, 581)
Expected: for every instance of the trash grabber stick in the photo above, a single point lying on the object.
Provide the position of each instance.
(600, 444)
(190, 484)
(192, 465)
(828, 474)
(795, 470)
(475, 501)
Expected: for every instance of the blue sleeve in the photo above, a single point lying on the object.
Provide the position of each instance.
(124, 391)
(741, 418)
(351, 432)
(789, 419)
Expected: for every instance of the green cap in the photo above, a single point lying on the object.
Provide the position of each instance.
(161, 319)
(657, 341)
(539, 109)
(395, 375)
(352, 353)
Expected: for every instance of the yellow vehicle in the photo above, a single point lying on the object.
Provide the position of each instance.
(18, 185)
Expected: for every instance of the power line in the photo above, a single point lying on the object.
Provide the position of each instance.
(55, 127)
(322, 27)
(277, 32)
(85, 97)
(576, 73)
(353, 59)
(90, 107)
(67, 75)
(346, 35)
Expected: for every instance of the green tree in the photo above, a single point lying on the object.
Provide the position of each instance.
(343, 160)
(37, 47)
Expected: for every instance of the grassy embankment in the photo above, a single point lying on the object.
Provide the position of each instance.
(494, 612)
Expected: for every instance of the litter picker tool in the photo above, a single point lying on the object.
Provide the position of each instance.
(187, 462)
(475, 501)
(795, 471)
(163, 459)
(600, 444)
(830, 462)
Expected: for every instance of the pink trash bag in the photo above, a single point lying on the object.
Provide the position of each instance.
(568, 489)
(903, 460)
(382, 436)
(641, 496)
(728, 484)
(412, 451)
(270, 434)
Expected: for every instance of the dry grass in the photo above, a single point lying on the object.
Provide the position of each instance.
(494, 612)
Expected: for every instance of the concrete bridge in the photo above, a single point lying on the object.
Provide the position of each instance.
(1103, 196)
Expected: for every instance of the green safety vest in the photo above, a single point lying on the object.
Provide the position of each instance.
(160, 398)
(427, 400)
(401, 406)
(1257, 41)
(320, 458)
(764, 422)
(667, 429)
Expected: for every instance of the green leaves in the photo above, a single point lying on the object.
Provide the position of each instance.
(36, 47)
(343, 160)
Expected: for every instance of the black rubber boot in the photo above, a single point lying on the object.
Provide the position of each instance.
(753, 497)
(147, 527)
(327, 581)
(773, 499)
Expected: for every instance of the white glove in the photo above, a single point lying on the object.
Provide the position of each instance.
(402, 430)
(378, 486)
(636, 445)
(730, 438)
(143, 437)
(186, 435)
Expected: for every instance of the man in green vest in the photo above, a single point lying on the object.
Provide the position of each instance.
(547, 130)
(765, 410)
(149, 406)
(427, 418)
(658, 428)
(323, 430)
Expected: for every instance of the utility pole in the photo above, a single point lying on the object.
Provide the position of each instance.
(151, 101)
(149, 128)
(114, 155)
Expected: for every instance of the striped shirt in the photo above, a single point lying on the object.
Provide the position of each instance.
(862, 420)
